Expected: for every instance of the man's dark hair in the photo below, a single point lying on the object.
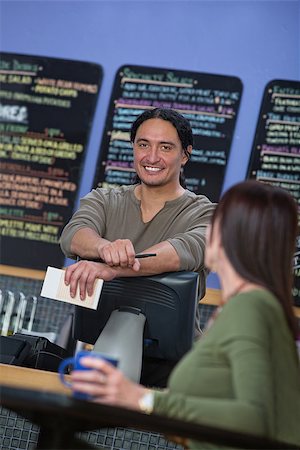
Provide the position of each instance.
(179, 122)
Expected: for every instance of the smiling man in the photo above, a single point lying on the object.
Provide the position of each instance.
(155, 215)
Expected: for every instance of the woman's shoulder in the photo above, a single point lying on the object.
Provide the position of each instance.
(254, 298)
(249, 312)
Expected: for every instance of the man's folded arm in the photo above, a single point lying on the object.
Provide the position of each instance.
(166, 260)
(85, 243)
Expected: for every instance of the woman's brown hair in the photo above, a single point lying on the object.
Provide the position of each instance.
(259, 225)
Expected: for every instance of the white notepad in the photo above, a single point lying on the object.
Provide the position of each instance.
(54, 287)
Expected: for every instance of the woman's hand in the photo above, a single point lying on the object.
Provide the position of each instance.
(106, 384)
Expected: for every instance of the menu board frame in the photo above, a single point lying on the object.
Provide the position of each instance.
(47, 107)
(276, 146)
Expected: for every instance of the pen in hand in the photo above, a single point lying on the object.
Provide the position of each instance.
(138, 256)
(144, 255)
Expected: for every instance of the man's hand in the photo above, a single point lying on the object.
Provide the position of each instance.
(119, 253)
(84, 275)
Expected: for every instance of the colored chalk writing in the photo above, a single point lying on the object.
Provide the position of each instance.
(46, 110)
(210, 102)
(275, 156)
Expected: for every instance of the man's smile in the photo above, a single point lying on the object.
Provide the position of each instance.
(152, 169)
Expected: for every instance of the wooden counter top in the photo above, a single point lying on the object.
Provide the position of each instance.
(40, 380)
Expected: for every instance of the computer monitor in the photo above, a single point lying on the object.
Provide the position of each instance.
(168, 301)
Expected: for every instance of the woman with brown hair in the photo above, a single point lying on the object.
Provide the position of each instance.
(243, 374)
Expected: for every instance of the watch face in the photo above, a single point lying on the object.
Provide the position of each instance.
(146, 402)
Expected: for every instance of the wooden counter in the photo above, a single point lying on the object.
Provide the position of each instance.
(60, 417)
(34, 379)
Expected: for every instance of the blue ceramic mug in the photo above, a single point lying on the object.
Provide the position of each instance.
(74, 363)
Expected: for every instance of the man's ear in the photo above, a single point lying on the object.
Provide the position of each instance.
(185, 157)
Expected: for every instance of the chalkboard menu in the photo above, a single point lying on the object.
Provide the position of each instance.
(275, 156)
(209, 102)
(46, 110)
